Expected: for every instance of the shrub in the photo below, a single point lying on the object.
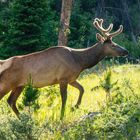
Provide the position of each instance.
(120, 119)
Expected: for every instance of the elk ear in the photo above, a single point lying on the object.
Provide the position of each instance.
(100, 38)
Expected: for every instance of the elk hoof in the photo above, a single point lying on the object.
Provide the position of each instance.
(74, 108)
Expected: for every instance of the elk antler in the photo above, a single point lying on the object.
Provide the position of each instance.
(117, 32)
(105, 32)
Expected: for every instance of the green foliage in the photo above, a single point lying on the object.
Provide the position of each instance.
(119, 120)
(106, 82)
(82, 30)
(4, 17)
(51, 24)
(31, 95)
(25, 26)
(23, 129)
(107, 85)
(27, 128)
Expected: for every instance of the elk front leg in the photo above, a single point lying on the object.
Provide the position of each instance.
(81, 90)
(13, 98)
(63, 92)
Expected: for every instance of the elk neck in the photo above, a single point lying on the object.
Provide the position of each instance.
(90, 56)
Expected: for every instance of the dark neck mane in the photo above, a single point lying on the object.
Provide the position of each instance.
(90, 56)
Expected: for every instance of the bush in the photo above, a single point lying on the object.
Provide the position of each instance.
(30, 96)
(119, 118)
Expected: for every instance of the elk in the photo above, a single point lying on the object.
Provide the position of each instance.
(56, 65)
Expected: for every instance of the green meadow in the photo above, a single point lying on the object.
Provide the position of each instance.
(110, 109)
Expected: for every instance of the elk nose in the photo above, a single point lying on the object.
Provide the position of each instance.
(125, 52)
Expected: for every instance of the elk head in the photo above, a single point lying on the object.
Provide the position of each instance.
(110, 47)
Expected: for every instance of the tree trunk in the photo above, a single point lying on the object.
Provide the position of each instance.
(64, 22)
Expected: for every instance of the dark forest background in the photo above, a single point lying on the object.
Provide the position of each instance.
(31, 25)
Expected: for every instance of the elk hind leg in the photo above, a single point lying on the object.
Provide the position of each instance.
(81, 90)
(13, 98)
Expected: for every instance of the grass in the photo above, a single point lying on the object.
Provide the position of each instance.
(115, 118)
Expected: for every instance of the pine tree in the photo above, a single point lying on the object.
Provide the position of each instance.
(25, 26)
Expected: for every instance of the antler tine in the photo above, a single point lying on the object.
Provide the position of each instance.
(98, 24)
(117, 32)
(109, 29)
(100, 21)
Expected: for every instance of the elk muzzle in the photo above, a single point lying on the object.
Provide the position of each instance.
(125, 52)
(122, 51)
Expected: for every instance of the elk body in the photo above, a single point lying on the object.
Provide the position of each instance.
(57, 65)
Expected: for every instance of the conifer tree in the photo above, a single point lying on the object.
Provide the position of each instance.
(25, 25)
